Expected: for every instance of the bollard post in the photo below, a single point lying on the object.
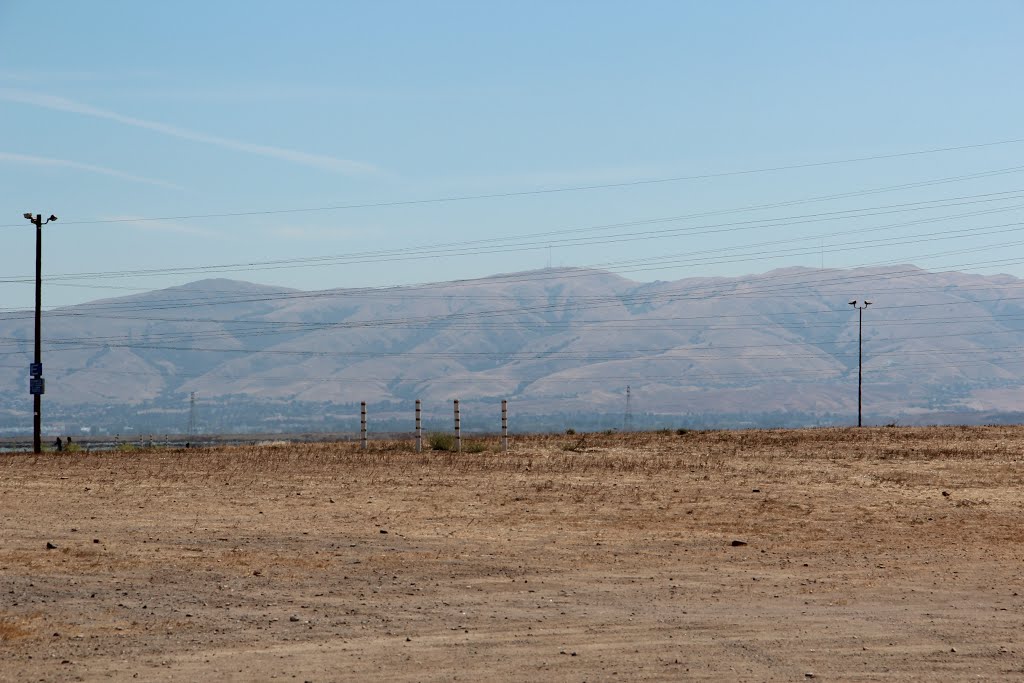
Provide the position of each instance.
(504, 426)
(362, 424)
(458, 429)
(419, 428)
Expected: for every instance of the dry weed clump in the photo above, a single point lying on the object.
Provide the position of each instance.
(10, 630)
(15, 628)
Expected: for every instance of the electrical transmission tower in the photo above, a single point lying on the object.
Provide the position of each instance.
(192, 414)
(627, 420)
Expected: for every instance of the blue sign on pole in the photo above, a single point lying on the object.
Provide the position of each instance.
(35, 369)
(37, 386)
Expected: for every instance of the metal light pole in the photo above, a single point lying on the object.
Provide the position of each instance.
(860, 357)
(36, 385)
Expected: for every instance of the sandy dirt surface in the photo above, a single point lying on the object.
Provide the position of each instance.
(870, 555)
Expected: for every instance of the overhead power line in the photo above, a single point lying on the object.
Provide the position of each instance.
(525, 193)
(268, 327)
(746, 287)
(684, 352)
(535, 241)
(575, 374)
(404, 255)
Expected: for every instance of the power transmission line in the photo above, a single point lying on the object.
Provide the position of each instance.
(524, 193)
(776, 283)
(480, 317)
(248, 298)
(836, 373)
(617, 356)
(524, 243)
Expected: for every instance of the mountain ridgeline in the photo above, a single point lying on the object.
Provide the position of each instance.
(562, 345)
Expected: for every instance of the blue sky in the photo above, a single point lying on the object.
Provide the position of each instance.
(120, 111)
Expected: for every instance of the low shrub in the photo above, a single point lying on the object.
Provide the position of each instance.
(440, 441)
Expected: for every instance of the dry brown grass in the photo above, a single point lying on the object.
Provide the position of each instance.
(617, 545)
(13, 629)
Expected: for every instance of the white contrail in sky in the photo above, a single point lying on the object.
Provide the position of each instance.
(91, 168)
(63, 104)
(161, 226)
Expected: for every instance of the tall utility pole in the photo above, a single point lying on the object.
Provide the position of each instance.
(860, 357)
(36, 385)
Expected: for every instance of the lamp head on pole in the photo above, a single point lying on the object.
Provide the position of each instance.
(854, 303)
(866, 303)
(28, 216)
(51, 218)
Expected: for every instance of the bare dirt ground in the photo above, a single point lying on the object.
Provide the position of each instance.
(872, 555)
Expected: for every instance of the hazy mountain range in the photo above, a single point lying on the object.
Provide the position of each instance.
(560, 344)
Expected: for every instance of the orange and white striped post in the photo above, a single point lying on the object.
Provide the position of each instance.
(362, 424)
(504, 425)
(419, 428)
(458, 428)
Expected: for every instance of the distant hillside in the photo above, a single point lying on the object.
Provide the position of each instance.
(562, 342)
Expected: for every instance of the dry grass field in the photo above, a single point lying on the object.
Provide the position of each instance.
(873, 554)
